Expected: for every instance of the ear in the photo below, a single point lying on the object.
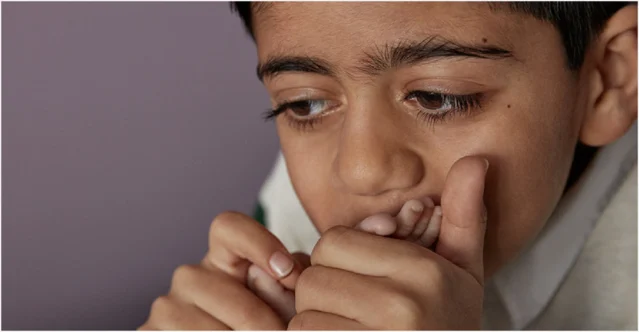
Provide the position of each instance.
(612, 105)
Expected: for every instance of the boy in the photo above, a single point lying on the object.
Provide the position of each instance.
(471, 108)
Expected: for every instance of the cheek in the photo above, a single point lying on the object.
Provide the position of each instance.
(528, 177)
(529, 145)
(309, 157)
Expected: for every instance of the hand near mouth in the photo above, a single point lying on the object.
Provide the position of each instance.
(353, 279)
(417, 221)
(343, 290)
(362, 281)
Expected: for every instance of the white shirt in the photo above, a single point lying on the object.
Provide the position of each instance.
(519, 292)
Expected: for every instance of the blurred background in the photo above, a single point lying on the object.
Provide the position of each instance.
(126, 127)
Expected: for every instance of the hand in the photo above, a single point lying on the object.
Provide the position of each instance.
(213, 295)
(417, 221)
(363, 281)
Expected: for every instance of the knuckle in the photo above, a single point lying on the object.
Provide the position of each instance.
(162, 309)
(166, 314)
(406, 310)
(306, 278)
(254, 316)
(184, 275)
(296, 323)
(161, 305)
(330, 239)
(145, 327)
(300, 322)
(223, 221)
(434, 272)
(307, 286)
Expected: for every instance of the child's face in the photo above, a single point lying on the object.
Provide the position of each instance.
(372, 145)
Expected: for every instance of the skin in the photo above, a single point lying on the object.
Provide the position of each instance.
(371, 154)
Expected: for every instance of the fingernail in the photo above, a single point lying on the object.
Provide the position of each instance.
(429, 202)
(281, 264)
(487, 163)
(418, 208)
(438, 210)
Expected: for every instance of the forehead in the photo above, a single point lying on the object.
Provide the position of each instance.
(321, 28)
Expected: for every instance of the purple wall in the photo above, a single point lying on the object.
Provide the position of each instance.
(126, 127)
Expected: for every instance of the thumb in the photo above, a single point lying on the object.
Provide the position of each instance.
(461, 239)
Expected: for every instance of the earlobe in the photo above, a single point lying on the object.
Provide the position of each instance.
(612, 108)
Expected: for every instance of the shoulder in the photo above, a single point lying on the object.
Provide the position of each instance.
(600, 291)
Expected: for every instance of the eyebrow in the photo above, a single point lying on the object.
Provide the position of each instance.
(281, 64)
(403, 53)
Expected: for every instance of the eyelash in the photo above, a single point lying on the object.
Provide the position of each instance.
(299, 124)
(460, 105)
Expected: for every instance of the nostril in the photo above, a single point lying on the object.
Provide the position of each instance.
(365, 177)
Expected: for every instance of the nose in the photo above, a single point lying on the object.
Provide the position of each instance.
(373, 155)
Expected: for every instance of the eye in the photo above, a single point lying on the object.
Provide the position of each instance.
(435, 102)
(307, 108)
(301, 109)
(436, 107)
(432, 101)
(302, 114)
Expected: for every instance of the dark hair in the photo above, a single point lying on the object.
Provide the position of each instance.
(577, 22)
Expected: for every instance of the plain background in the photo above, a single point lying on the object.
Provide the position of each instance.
(126, 128)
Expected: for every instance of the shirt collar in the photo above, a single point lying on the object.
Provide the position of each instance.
(527, 285)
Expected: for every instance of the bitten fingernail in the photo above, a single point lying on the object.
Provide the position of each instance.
(418, 208)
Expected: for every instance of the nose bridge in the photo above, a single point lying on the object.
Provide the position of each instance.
(372, 156)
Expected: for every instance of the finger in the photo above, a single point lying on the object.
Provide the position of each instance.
(347, 294)
(463, 226)
(408, 217)
(423, 221)
(352, 250)
(171, 314)
(302, 259)
(316, 320)
(147, 327)
(272, 292)
(236, 241)
(381, 224)
(432, 231)
(222, 297)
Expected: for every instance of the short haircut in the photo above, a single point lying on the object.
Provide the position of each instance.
(578, 23)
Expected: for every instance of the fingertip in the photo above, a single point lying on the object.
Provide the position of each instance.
(281, 264)
(437, 211)
(381, 224)
(465, 183)
(416, 206)
(428, 202)
(423, 221)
